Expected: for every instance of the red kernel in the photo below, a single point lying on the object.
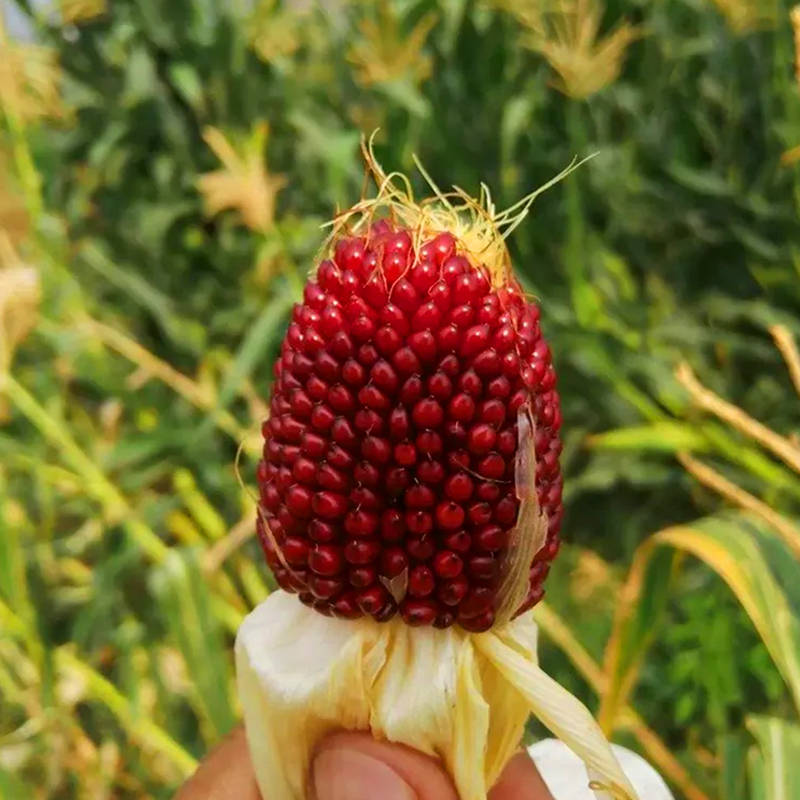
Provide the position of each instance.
(399, 424)
(447, 564)
(461, 408)
(459, 541)
(361, 577)
(393, 561)
(326, 560)
(362, 551)
(420, 549)
(481, 438)
(490, 537)
(459, 487)
(405, 454)
(427, 413)
(492, 466)
(372, 600)
(431, 472)
(329, 505)
(384, 377)
(474, 340)
(419, 497)
(421, 581)
(361, 524)
(452, 592)
(423, 343)
(375, 449)
(449, 515)
(393, 525)
(299, 500)
(420, 523)
(322, 532)
(405, 361)
(418, 612)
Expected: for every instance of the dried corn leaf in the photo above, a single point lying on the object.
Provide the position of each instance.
(530, 532)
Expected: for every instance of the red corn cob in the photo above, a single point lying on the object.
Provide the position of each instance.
(388, 476)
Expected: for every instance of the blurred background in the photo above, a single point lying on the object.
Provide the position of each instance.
(165, 167)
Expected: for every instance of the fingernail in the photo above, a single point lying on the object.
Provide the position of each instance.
(342, 774)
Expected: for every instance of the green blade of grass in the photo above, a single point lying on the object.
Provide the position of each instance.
(186, 604)
(666, 437)
(260, 337)
(142, 292)
(97, 484)
(140, 729)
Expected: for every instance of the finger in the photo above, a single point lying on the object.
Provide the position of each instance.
(520, 781)
(354, 766)
(226, 773)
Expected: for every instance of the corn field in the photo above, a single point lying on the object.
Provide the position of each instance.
(165, 169)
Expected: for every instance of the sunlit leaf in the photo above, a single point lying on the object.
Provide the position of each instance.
(775, 766)
(741, 549)
(668, 437)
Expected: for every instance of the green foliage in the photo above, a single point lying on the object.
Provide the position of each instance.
(703, 652)
(125, 559)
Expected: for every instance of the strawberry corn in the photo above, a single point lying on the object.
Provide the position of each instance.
(410, 501)
(391, 445)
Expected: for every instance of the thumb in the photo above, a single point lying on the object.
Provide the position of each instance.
(354, 766)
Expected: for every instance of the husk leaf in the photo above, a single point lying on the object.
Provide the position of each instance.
(460, 697)
(530, 532)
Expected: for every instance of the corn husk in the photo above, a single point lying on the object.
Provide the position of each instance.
(461, 697)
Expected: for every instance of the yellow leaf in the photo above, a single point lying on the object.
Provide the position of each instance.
(20, 295)
(570, 41)
(30, 80)
(384, 53)
(75, 11)
(752, 559)
(14, 219)
(274, 31)
(746, 16)
(732, 552)
(243, 184)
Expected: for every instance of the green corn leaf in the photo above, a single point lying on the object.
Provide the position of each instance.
(187, 333)
(261, 336)
(667, 437)
(741, 548)
(186, 603)
(775, 765)
(13, 786)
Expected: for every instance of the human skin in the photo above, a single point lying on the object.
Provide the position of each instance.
(353, 766)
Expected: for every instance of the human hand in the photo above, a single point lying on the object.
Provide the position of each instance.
(353, 766)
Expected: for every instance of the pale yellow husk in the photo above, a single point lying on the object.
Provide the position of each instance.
(463, 698)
